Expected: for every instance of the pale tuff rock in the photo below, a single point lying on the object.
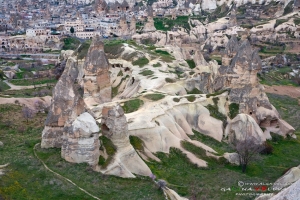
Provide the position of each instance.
(290, 193)
(149, 25)
(232, 158)
(66, 105)
(243, 126)
(290, 177)
(172, 195)
(2, 169)
(97, 88)
(126, 162)
(65, 54)
(81, 141)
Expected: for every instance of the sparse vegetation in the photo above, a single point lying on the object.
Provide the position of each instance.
(27, 82)
(3, 86)
(166, 24)
(233, 110)
(154, 97)
(132, 105)
(136, 142)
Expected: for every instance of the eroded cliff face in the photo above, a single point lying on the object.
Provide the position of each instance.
(97, 88)
(238, 75)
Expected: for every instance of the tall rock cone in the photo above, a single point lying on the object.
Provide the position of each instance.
(66, 104)
(97, 87)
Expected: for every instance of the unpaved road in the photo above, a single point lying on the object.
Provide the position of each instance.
(291, 91)
(19, 87)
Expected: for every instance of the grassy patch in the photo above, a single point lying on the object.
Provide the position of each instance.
(233, 110)
(136, 142)
(147, 72)
(26, 82)
(113, 47)
(277, 77)
(3, 86)
(157, 65)
(154, 97)
(162, 52)
(194, 91)
(110, 150)
(141, 62)
(27, 93)
(166, 24)
(214, 112)
(280, 21)
(287, 107)
(132, 105)
(191, 98)
(191, 63)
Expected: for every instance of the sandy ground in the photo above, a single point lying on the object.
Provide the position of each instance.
(291, 91)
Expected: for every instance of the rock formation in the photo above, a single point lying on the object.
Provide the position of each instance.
(66, 104)
(97, 88)
(243, 126)
(126, 161)
(239, 74)
(81, 140)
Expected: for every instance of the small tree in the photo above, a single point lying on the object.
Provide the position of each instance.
(72, 30)
(248, 149)
(27, 113)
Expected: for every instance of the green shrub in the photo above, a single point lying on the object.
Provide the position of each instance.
(147, 72)
(170, 80)
(217, 93)
(162, 52)
(276, 137)
(191, 63)
(120, 73)
(157, 64)
(70, 43)
(132, 105)
(191, 98)
(141, 62)
(154, 97)
(176, 99)
(233, 110)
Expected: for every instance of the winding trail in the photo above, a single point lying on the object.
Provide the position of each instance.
(60, 176)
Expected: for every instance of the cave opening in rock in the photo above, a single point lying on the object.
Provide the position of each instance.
(104, 128)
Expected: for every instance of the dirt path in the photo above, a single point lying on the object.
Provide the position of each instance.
(60, 176)
(291, 91)
(19, 87)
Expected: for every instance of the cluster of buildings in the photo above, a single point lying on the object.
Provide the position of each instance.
(39, 25)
